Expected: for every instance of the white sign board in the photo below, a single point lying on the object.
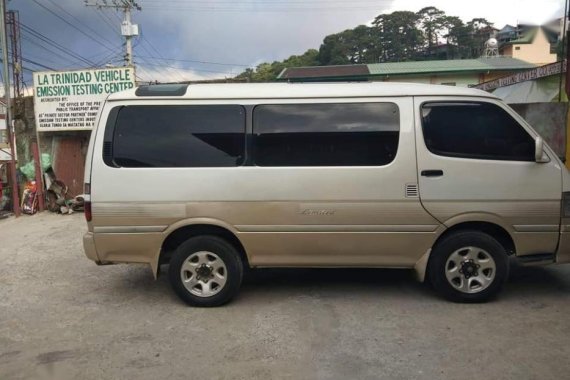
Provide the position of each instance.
(71, 100)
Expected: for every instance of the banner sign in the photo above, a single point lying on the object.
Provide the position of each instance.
(71, 100)
(536, 73)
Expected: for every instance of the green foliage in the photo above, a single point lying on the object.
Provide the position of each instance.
(397, 37)
(392, 37)
(266, 72)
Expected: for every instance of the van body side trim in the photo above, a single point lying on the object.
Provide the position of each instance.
(338, 228)
(536, 228)
(128, 229)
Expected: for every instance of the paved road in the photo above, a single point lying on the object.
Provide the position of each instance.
(62, 317)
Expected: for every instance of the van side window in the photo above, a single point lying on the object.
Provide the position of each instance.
(475, 130)
(327, 134)
(179, 136)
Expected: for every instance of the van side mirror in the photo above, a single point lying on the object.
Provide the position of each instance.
(539, 155)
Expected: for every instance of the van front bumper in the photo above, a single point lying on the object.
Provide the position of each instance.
(89, 247)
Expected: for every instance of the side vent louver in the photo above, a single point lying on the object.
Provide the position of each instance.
(412, 190)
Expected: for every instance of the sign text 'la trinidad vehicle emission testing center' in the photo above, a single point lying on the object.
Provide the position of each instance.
(71, 100)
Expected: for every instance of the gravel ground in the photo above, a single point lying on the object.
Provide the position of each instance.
(61, 317)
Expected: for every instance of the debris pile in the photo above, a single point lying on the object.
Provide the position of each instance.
(58, 198)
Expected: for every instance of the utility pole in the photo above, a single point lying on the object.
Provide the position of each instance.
(13, 26)
(565, 51)
(6, 72)
(128, 29)
(566, 46)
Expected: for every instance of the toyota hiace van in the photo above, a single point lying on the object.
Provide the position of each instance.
(213, 179)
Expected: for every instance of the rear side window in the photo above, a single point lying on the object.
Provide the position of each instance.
(475, 130)
(179, 136)
(328, 134)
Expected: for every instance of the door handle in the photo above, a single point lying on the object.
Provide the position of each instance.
(432, 173)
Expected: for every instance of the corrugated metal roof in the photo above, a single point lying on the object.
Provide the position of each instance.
(453, 65)
(407, 68)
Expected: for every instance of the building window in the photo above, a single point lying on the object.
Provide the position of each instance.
(517, 48)
(331, 134)
(179, 136)
(475, 130)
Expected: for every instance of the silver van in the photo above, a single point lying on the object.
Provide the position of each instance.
(216, 178)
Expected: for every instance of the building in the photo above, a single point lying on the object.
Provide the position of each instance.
(456, 72)
(534, 46)
(507, 34)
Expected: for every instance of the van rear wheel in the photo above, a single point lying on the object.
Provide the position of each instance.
(206, 271)
(469, 266)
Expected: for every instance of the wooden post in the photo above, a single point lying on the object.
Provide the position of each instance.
(38, 171)
(11, 132)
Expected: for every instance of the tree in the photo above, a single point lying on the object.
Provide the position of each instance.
(266, 72)
(479, 31)
(351, 46)
(457, 37)
(393, 37)
(397, 37)
(432, 23)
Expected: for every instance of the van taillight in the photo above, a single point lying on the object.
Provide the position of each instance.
(87, 211)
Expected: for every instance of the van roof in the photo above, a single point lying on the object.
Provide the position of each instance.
(292, 91)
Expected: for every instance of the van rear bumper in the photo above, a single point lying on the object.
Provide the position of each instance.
(89, 247)
(563, 253)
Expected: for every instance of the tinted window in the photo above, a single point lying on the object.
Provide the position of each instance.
(348, 134)
(475, 130)
(179, 136)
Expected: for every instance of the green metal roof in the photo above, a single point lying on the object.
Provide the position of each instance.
(447, 66)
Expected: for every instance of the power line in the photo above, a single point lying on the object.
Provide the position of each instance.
(70, 24)
(128, 30)
(259, 10)
(143, 39)
(192, 68)
(53, 43)
(103, 16)
(52, 52)
(289, 2)
(213, 2)
(109, 57)
(80, 22)
(37, 64)
(23, 67)
(204, 62)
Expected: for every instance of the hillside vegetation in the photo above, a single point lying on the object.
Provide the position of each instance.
(392, 37)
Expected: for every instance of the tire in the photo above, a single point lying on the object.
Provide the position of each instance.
(469, 267)
(206, 271)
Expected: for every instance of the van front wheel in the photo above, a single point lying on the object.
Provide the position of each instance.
(206, 271)
(468, 266)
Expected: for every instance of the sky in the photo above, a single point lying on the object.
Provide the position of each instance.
(203, 39)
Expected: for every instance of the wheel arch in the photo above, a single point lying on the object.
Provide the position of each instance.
(184, 230)
(497, 231)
